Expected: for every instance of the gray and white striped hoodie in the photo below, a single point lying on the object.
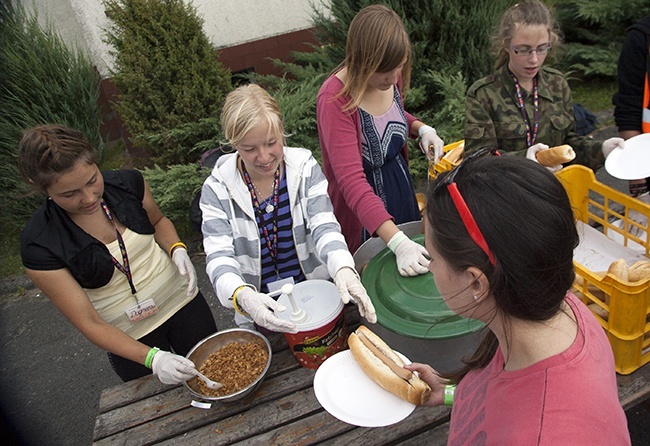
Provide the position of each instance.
(230, 234)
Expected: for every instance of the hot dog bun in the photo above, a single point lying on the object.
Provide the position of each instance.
(455, 154)
(412, 389)
(555, 155)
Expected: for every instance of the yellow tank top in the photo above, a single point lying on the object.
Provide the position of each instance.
(154, 276)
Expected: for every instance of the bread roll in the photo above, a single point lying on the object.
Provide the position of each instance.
(456, 153)
(383, 370)
(638, 271)
(618, 269)
(555, 155)
(597, 309)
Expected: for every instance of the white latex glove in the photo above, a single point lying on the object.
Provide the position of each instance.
(186, 268)
(261, 308)
(350, 288)
(639, 218)
(412, 258)
(171, 368)
(610, 144)
(429, 137)
(531, 154)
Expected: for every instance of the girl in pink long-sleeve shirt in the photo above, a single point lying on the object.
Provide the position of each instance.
(363, 131)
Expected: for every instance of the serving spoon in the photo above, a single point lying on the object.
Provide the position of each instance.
(214, 385)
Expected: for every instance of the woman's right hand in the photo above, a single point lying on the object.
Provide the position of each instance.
(261, 307)
(171, 368)
(411, 257)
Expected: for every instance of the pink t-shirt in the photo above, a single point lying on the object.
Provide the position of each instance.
(570, 398)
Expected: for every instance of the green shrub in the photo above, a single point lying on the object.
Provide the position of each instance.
(450, 49)
(41, 81)
(174, 188)
(168, 75)
(594, 31)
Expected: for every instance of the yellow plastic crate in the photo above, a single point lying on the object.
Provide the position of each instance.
(627, 304)
(443, 165)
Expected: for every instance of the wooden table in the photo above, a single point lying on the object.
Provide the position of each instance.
(284, 410)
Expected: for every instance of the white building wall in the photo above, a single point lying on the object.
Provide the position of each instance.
(81, 23)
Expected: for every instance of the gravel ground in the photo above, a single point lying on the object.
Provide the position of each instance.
(51, 376)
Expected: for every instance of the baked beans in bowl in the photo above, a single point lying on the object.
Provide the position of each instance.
(238, 358)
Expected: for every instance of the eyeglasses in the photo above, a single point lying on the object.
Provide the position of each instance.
(541, 50)
(461, 206)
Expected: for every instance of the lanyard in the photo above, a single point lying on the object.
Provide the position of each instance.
(530, 138)
(125, 268)
(271, 240)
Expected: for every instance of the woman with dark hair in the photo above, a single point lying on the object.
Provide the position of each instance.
(501, 234)
(105, 255)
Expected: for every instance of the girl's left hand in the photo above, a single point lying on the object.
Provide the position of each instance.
(350, 287)
(186, 268)
(435, 381)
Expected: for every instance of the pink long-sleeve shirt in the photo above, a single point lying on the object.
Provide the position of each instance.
(356, 205)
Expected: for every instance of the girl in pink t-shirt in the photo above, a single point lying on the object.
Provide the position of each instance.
(501, 233)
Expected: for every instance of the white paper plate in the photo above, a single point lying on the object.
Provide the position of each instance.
(632, 162)
(347, 393)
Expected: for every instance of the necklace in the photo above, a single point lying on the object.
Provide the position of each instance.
(271, 201)
(530, 136)
(267, 201)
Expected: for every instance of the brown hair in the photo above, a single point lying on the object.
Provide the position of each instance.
(526, 13)
(377, 41)
(47, 151)
(245, 108)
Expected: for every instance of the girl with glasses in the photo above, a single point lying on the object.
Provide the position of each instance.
(525, 107)
(501, 234)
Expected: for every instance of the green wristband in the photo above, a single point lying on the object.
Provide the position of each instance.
(149, 358)
(449, 395)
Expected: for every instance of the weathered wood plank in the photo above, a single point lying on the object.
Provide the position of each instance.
(422, 418)
(153, 428)
(149, 399)
(311, 430)
(256, 426)
(435, 437)
(131, 391)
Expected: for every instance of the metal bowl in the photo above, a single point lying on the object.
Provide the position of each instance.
(201, 351)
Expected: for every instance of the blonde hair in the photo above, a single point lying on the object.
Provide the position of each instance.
(247, 107)
(526, 13)
(377, 41)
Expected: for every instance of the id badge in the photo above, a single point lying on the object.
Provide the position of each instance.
(275, 286)
(142, 310)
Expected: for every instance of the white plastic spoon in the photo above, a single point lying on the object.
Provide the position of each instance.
(208, 382)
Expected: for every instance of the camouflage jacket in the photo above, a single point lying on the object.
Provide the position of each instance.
(493, 117)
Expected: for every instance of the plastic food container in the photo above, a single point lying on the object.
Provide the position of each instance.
(627, 304)
(323, 332)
